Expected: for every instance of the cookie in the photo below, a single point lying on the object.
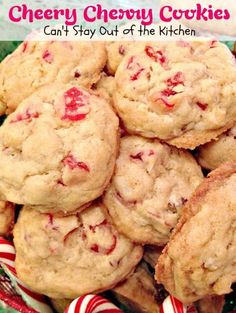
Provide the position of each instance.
(7, 214)
(211, 304)
(65, 257)
(199, 259)
(214, 153)
(58, 149)
(177, 92)
(60, 305)
(117, 50)
(105, 87)
(138, 292)
(34, 64)
(152, 181)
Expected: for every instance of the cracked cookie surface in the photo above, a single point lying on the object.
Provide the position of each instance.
(177, 92)
(152, 181)
(117, 50)
(34, 64)
(58, 149)
(65, 257)
(199, 259)
(214, 153)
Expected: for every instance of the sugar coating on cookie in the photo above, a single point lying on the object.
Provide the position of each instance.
(176, 91)
(65, 257)
(152, 181)
(7, 214)
(199, 259)
(34, 64)
(58, 149)
(216, 152)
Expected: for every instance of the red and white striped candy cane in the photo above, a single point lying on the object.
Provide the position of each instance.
(92, 304)
(173, 305)
(7, 261)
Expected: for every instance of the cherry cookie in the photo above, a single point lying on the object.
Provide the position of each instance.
(200, 258)
(34, 64)
(152, 181)
(177, 92)
(7, 215)
(58, 149)
(65, 257)
(213, 154)
(138, 292)
(117, 50)
(105, 87)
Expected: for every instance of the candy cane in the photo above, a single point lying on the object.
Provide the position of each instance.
(7, 261)
(173, 305)
(92, 304)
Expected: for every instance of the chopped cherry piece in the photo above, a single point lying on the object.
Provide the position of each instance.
(72, 163)
(98, 249)
(47, 56)
(183, 200)
(213, 44)
(26, 116)
(171, 82)
(134, 66)
(119, 195)
(136, 75)
(93, 228)
(25, 45)
(60, 182)
(77, 74)
(74, 118)
(121, 199)
(177, 79)
(94, 248)
(157, 55)
(165, 101)
(112, 247)
(130, 63)
(121, 50)
(69, 234)
(74, 100)
(202, 106)
(50, 223)
(137, 156)
(151, 152)
(168, 92)
(50, 218)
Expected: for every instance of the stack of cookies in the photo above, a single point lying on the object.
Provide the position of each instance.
(102, 148)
